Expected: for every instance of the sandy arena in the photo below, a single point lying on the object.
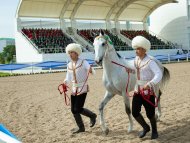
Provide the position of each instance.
(31, 108)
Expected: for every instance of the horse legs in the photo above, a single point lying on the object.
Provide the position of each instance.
(108, 96)
(128, 111)
(158, 115)
(158, 111)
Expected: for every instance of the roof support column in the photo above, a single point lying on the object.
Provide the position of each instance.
(19, 24)
(117, 25)
(128, 26)
(108, 24)
(74, 23)
(145, 26)
(64, 9)
(63, 24)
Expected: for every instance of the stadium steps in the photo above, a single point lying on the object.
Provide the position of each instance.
(72, 32)
(121, 36)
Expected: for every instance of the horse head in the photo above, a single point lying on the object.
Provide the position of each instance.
(101, 44)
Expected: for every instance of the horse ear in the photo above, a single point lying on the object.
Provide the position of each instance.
(94, 35)
(101, 32)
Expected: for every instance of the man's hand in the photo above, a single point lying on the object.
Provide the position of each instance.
(146, 87)
(65, 82)
(90, 70)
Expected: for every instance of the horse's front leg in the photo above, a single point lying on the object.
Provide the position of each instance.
(108, 96)
(128, 111)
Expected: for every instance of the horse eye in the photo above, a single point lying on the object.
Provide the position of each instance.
(103, 44)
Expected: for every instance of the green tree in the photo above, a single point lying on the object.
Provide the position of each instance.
(7, 55)
(2, 60)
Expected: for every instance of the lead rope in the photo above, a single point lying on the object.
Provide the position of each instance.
(64, 90)
(138, 72)
(147, 97)
(84, 81)
(74, 75)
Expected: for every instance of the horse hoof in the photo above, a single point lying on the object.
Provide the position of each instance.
(105, 132)
(157, 118)
(130, 129)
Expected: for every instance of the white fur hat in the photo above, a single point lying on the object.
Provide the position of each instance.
(74, 47)
(141, 42)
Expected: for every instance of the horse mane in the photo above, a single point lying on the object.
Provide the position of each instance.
(119, 56)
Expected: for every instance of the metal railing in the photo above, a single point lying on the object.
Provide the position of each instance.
(52, 50)
(117, 48)
(123, 48)
(153, 47)
(161, 47)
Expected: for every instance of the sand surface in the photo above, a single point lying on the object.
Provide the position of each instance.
(31, 108)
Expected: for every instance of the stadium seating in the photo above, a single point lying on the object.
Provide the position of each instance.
(155, 42)
(118, 43)
(48, 40)
(55, 41)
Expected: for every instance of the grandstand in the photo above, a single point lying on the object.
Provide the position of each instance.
(118, 43)
(48, 40)
(155, 41)
(40, 40)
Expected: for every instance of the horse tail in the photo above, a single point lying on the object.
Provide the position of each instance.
(165, 78)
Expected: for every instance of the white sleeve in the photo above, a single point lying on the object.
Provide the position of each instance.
(68, 77)
(157, 73)
(86, 65)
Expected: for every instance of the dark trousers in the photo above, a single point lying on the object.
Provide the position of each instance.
(77, 103)
(138, 101)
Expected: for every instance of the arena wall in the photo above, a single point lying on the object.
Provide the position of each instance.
(25, 51)
(90, 55)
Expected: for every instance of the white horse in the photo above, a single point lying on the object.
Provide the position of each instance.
(115, 77)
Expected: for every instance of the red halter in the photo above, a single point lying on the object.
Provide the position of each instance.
(64, 90)
(147, 97)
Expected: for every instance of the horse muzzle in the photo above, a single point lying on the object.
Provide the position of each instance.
(99, 62)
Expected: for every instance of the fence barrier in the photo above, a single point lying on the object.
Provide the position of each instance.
(48, 66)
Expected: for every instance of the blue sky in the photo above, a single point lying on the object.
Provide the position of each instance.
(7, 17)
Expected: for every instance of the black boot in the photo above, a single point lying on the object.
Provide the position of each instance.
(91, 115)
(80, 124)
(145, 126)
(154, 128)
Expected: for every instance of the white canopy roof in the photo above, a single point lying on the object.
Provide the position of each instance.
(132, 10)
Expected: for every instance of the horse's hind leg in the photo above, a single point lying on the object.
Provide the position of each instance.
(158, 113)
(128, 111)
(107, 98)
